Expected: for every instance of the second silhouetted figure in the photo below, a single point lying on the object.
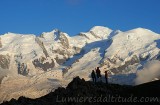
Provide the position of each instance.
(106, 76)
(98, 72)
(93, 75)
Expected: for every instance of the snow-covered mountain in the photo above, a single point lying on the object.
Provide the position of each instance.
(33, 66)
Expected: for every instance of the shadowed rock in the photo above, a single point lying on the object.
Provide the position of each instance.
(4, 61)
(0, 43)
(79, 88)
(41, 63)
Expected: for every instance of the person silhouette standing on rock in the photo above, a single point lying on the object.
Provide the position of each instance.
(98, 72)
(93, 75)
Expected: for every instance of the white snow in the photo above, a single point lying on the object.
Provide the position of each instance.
(100, 46)
(136, 41)
(102, 32)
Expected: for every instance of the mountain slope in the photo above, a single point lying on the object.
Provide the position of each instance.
(78, 90)
(32, 66)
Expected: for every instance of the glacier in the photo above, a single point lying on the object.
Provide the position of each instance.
(33, 66)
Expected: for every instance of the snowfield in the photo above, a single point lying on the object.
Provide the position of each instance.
(33, 66)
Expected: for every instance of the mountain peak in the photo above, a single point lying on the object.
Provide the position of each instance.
(53, 35)
(55, 58)
(100, 31)
(11, 34)
(141, 30)
(100, 28)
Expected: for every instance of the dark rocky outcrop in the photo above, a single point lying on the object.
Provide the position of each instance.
(64, 40)
(60, 60)
(119, 69)
(96, 36)
(4, 61)
(43, 63)
(80, 92)
(0, 43)
(40, 43)
(83, 35)
(22, 69)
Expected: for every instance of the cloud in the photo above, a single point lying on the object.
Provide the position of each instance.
(151, 71)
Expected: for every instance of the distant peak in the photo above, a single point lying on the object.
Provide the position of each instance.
(140, 29)
(100, 32)
(13, 34)
(99, 28)
(53, 31)
(57, 31)
(55, 34)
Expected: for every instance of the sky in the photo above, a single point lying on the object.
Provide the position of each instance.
(75, 16)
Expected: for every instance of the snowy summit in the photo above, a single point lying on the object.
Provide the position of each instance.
(32, 66)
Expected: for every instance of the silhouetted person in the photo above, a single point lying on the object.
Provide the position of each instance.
(106, 76)
(98, 72)
(93, 75)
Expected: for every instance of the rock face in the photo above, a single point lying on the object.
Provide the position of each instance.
(4, 61)
(0, 43)
(22, 69)
(42, 46)
(43, 64)
(80, 92)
